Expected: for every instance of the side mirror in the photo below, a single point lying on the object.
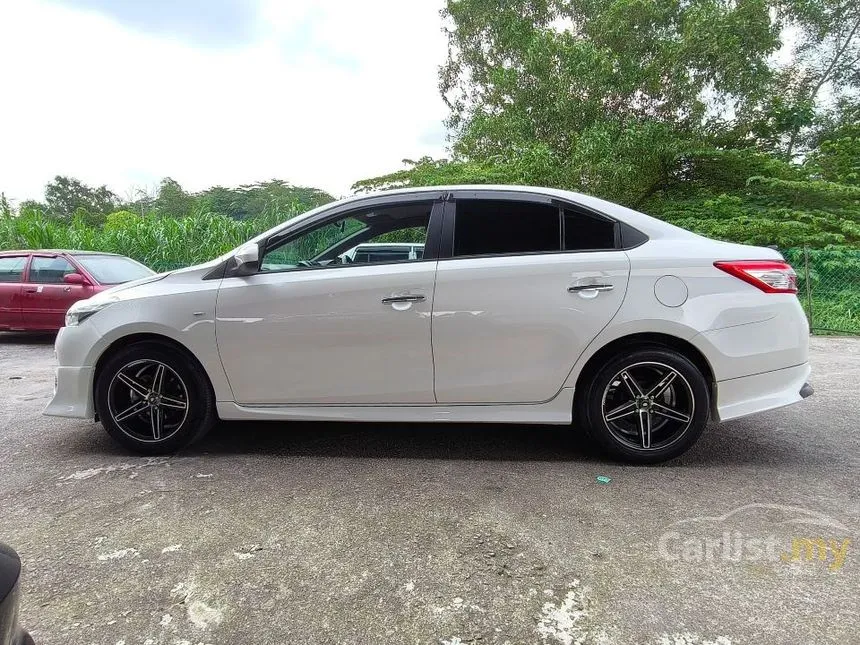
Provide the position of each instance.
(74, 278)
(246, 261)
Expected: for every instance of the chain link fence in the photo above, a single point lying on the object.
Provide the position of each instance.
(828, 282)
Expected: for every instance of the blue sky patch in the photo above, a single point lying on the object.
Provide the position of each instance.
(217, 23)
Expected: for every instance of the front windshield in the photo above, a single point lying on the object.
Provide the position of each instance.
(113, 269)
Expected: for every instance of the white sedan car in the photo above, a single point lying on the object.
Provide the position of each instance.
(527, 305)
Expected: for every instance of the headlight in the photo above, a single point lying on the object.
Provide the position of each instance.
(83, 309)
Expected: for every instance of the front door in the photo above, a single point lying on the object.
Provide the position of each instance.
(46, 297)
(316, 326)
(527, 287)
(11, 290)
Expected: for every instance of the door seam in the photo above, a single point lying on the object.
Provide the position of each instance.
(432, 351)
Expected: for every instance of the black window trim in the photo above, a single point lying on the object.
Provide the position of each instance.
(447, 244)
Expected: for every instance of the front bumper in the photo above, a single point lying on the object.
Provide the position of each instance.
(73, 393)
(739, 397)
(73, 378)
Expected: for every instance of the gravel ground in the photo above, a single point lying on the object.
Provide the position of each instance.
(339, 533)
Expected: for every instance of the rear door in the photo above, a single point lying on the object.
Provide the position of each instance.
(46, 296)
(11, 289)
(526, 286)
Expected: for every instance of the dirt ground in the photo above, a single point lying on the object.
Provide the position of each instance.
(349, 533)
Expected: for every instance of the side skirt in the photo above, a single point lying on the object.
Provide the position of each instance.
(557, 411)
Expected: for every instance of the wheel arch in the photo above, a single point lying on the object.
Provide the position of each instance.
(639, 340)
(141, 337)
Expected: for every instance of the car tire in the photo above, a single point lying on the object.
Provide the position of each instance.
(645, 406)
(154, 399)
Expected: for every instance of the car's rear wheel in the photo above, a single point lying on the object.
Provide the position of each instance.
(646, 405)
(152, 399)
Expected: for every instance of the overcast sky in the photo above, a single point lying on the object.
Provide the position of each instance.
(125, 92)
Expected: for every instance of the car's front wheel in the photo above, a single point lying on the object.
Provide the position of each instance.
(646, 405)
(152, 399)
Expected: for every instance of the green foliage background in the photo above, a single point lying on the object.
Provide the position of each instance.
(169, 230)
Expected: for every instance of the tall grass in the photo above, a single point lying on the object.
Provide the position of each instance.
(159, 242)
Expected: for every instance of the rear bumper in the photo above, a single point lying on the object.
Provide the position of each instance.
(73, 393)
(739, 397)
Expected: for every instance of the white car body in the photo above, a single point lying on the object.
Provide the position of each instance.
(496, 338)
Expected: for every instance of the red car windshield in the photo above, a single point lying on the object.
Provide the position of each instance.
(113, 269)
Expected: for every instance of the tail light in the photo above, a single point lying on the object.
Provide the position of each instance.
(771, 276)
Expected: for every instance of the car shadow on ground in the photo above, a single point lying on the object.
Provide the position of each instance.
(359, 441)
(28, 337)
(721, 445)
(397, 441)
(727, 445)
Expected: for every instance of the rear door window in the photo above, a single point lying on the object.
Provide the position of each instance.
(498, 227)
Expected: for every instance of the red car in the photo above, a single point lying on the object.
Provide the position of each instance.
(37, 287)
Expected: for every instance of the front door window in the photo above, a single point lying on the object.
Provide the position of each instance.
(374, 236)
(49, 270)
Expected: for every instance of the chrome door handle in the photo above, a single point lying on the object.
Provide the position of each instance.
(415, 298)
(591, 287)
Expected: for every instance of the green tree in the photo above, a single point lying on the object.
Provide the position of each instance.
(224, 201)
(548, 71)
(837, 158)
(32, 205)
(172, 200)
(825, 55)
(65, 195)
(262, 199)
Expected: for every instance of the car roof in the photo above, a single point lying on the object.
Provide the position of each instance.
(647, 224)
(56, 251)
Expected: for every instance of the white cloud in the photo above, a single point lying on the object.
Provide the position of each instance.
(329, 92)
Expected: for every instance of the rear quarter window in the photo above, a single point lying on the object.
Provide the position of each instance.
(586, 232)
